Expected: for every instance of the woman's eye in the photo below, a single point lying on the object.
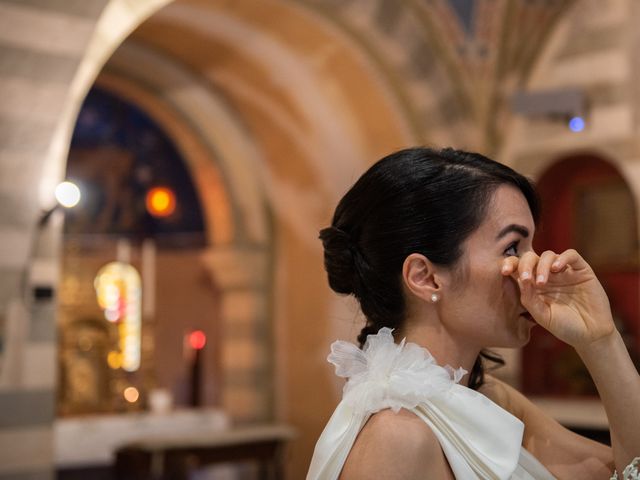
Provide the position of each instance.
(513, 247)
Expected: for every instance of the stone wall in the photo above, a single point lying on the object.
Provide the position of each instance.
(41, 46)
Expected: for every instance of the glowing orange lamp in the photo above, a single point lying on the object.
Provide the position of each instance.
(160, 201)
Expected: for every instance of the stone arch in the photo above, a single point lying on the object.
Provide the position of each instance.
(588, 205)
(114, 24)
(118, 21)
(217, 208)
(330, 149)
(379, 137)
(238, 274)
(222, 163)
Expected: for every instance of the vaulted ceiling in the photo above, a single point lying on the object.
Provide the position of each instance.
(449, 65)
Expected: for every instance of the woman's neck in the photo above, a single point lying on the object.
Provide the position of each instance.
(445, 348)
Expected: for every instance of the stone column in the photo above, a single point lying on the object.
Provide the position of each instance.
(41, 45)
(241, 274)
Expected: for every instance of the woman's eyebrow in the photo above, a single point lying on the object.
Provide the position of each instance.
(522, 230)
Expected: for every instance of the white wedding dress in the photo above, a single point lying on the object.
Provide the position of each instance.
(480, 439)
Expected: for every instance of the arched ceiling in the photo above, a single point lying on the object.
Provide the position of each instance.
(455, 62)
(324, 87)
(447, 67)
(448, 64)
(313, 107)
(277, 55)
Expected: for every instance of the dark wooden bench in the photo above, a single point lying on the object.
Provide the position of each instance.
(175, 457)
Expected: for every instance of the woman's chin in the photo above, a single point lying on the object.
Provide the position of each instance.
(525, 326)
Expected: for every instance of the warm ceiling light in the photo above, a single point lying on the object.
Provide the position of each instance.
(67, 194)
(161, 201)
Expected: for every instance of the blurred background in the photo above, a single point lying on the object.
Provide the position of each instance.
(173, 319)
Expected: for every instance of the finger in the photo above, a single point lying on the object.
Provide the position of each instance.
(509, 265)
(534, 304)
(526, 266)
(544, 266)
(569, 258)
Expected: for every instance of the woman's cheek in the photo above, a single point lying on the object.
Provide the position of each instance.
(510, 286)
(492, 289)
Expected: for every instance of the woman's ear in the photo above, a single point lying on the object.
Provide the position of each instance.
(419, 276)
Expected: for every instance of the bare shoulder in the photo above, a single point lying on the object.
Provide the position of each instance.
(396, 446)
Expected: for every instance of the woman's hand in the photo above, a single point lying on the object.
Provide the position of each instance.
(563, 295)
(569, 301)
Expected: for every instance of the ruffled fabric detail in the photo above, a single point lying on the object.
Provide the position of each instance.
(388, 375)
(631, 472)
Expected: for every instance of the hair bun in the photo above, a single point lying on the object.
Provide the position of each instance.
(339, 261)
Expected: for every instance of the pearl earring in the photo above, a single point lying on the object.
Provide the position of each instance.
(434, 297)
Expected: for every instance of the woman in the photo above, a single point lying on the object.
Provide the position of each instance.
(437, 248)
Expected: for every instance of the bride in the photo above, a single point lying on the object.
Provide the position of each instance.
(436, 245)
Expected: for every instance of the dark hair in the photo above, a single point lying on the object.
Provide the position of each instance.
(416, 200)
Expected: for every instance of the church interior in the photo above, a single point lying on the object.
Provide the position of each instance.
(175, 315)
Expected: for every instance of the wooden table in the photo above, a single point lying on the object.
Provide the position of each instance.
(174, 457)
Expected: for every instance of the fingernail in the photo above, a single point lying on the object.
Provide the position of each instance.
(540, 279)
(505, 268)
(525, 275)
(556, 265)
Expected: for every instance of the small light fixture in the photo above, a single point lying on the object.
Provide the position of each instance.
(568, 106)
(68, 194)
(197, 339)
(576, 124)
